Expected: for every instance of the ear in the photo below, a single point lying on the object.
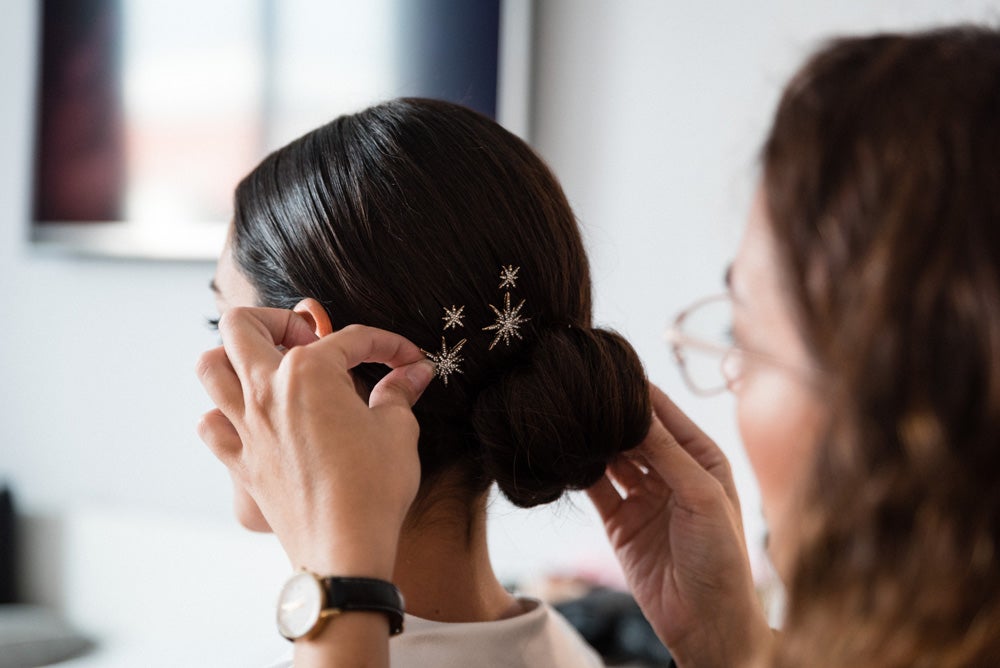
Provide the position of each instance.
(315, 315)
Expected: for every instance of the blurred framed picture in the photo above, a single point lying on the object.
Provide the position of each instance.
(149, 113)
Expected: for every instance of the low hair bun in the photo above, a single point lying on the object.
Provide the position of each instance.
(553, 422)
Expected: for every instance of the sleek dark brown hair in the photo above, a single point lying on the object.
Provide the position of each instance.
(882, 181)
(389, 216)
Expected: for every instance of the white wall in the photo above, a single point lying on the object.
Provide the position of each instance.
(649, 110)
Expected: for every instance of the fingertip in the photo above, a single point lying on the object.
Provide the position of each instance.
(420, 375)
(604, 496)
(403, 385)
(303, 328)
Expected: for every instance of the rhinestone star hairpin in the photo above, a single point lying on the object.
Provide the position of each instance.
(509, 320)
(453, 317)
(507, 326)
(508, 276)
(447, 361)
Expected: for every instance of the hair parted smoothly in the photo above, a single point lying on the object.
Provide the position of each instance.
(882, 180)
(403, 217)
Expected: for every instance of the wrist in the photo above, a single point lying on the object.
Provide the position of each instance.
(344, 550)
(308, 602)
(356, 639)
(745, 646)
(348, 559)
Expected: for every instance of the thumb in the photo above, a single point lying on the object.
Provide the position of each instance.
(299, 332)
(403, 385)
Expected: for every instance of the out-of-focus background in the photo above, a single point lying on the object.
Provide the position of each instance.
(650, 111)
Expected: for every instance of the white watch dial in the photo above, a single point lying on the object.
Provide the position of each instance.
(299, 605)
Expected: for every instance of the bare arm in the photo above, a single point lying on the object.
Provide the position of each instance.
(333, 476)
(678, 534)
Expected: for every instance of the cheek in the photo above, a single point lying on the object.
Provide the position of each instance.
(779, 423)
(247, 512)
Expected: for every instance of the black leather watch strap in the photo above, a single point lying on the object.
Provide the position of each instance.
(345, 594)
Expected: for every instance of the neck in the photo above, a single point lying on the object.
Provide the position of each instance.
(443, 565)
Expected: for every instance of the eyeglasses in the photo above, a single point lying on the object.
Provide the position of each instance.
(710, 362)
(702, 342)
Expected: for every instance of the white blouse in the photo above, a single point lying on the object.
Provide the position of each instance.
(538, 637)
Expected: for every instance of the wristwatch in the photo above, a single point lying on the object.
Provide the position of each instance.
(307, 600)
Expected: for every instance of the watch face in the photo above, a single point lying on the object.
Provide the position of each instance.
(299, 605)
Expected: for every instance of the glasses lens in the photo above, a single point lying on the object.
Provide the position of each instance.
(707, 332)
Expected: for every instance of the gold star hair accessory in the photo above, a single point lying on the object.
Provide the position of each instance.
(508, 276)
(453, 317)
(508, 322)
(447, 361)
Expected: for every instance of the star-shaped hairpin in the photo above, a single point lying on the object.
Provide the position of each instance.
(508, 322)
(508, 276)
(453, 317)
(447, 361)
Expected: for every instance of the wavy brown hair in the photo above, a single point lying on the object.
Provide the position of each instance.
(882, 180)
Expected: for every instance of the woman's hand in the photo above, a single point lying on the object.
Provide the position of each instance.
(333, 476)
(678, 534)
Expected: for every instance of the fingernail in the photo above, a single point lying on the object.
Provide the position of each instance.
(420, 374)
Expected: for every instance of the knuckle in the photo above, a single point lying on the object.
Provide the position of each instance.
(397, 394)
(204, 425)
(707, 495)
(234, 316)
(296, 364)
(259, 394)
(403, 416)
(206, 362)
(297, 356)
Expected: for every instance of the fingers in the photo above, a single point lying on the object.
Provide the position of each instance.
(221, 437)
(605, 497)
(220, 381)
(626, 473)
(676, 422)
(702, 448)
(251, 334)
(358, 344)
(670, 452)
(675, 466)
(630, 477)
(402, 386)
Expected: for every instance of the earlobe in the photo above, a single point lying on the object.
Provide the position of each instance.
(315, 315)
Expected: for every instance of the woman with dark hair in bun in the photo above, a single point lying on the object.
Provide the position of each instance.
(430, 221)
(864, 356)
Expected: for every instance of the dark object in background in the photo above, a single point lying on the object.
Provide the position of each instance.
(8, 548)
(613, 624)
(31, 635)
(80, 161)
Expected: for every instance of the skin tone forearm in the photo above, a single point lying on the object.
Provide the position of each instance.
(294, 433)
(355, 640)
(676, 528)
